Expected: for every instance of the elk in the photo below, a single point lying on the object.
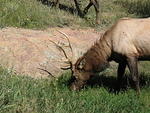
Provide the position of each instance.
(94, 3)
(126, 42)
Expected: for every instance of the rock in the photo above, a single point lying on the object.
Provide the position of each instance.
(29, 52)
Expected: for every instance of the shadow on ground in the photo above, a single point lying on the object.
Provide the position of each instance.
(110, 82)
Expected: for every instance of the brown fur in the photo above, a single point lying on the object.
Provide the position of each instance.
(125, 42)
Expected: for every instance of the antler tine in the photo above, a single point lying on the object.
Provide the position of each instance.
(66, 36)
(59, 47)
(69, 62)
(65, 68)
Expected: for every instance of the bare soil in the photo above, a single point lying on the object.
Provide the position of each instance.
(30, 52)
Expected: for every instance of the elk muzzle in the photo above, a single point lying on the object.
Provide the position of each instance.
(77, 85)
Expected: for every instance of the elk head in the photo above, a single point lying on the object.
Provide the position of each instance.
(80, 71)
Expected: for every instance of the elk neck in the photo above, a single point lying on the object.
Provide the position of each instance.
(100, 52)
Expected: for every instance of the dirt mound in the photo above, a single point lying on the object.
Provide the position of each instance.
(29, 52)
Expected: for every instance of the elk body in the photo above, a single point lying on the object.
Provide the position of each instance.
(94, 3)
(126, 42)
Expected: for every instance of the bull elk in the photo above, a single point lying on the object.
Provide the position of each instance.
(125, 42)
(94, 3)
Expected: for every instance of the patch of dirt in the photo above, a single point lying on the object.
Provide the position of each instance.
(29, 52)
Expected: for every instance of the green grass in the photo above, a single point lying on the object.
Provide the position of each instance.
(27, 95)
(138, 7)
(33, 14)
(20, 94)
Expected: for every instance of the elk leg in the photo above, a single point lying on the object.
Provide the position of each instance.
(44, 1)
(87, 8)
(120, 73)
(56, 4)
(78, 8)
(133, 67)
(96, 6)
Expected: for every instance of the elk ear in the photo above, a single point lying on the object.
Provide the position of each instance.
(81, 64)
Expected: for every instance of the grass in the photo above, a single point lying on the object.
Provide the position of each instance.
(27, 95)
(138, 7)
(33, 14)
(20, 94)
(30, 14)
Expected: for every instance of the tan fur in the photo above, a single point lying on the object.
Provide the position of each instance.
(131, 37)
(124, 42)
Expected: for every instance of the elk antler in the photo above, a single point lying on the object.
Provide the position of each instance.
(60, 48)
(69, 62)
(66, 36)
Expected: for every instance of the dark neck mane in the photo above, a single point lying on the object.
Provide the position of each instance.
(99, 52)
